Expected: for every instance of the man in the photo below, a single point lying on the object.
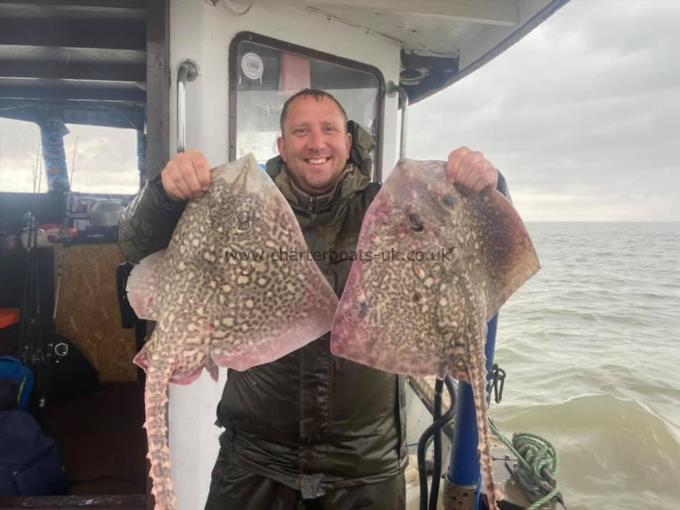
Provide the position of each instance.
(309, 430)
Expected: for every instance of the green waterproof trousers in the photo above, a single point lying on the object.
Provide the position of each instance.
(235, 488)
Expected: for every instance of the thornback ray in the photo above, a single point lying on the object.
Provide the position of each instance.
(233, 289)
(433, 267)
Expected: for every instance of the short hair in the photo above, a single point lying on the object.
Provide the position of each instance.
(317, 94)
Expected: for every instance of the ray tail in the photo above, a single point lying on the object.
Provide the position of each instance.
(477, 376)
(155, 403)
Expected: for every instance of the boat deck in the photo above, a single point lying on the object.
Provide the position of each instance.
(103, 449)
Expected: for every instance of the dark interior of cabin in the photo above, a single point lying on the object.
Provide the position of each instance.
(67, 337)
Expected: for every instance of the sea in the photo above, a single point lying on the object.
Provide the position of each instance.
(591, 348)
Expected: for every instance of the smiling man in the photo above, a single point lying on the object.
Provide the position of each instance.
(315, 144)
(309, 430)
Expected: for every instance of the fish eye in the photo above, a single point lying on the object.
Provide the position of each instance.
(416, 223)
(449, 200)
(363, 309)
(243, 220)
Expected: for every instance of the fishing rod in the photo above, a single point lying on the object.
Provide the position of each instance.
(60, 263)
(37, 333)
(30, 324)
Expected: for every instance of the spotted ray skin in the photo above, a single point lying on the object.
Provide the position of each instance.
(429, 316)
(224, 294)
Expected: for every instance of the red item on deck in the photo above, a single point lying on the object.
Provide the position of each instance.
(8, 317)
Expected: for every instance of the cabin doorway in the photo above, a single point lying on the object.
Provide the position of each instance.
(74, 78)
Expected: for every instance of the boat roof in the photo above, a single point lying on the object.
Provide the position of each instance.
(441, 40)
(89, 60)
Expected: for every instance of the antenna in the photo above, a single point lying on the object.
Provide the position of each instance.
(73, 165)
(60, 263)
(35, 167)
(39, 171)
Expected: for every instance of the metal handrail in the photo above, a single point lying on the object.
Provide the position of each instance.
(188, 71)
(392, 89)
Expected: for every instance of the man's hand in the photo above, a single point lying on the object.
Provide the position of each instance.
(471, 171)
(186, 176)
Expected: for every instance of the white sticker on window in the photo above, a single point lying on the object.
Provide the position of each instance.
(252, 66)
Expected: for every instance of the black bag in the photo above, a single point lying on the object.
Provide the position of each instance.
(29, 460)
(71, 373)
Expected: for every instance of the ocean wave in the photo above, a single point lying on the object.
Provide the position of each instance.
(611, 450)
(600, 321)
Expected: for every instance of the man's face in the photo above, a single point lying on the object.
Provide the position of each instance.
(315, 144)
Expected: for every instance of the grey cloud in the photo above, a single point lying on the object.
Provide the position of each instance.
(106, 160)
(580, 102)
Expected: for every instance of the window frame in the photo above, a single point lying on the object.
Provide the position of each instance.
(307, 52)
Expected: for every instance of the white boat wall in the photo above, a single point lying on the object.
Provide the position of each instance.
(442, 41)
(124, 73)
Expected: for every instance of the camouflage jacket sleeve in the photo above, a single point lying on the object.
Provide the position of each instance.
(148, 222)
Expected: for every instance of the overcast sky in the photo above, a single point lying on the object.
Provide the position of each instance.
(582, 116)
(106, 159)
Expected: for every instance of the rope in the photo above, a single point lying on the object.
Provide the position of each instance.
(537, 466)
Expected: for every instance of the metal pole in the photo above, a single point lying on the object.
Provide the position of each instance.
(392, 89)
(187, 72)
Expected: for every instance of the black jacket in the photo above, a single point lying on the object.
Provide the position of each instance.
(309, 420)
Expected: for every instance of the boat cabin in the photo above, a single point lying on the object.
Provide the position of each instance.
(176, 75)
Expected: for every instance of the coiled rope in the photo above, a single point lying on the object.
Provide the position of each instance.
(537, 466)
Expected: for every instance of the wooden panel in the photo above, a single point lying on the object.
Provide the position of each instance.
(89, 313)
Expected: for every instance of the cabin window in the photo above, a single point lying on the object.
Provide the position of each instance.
(265, 72)
(105, 158)
(21, 167)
